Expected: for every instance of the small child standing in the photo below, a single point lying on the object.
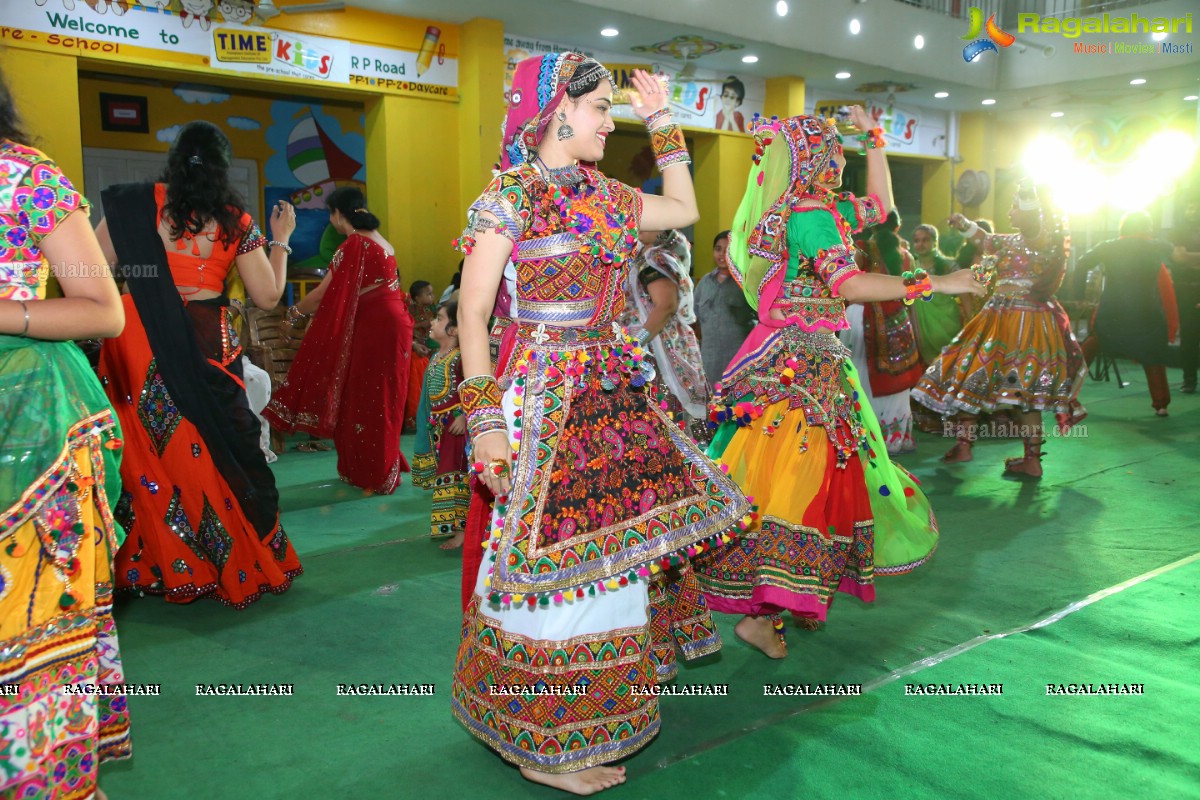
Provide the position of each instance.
(422, 309)
(440, 460)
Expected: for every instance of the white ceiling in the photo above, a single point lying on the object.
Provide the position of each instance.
(813, 41)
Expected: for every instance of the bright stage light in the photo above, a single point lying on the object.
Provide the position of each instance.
(1080, 189)
(1172, 151)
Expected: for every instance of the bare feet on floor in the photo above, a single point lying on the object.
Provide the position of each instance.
(584, 782)
(453, 543)
(758, 632)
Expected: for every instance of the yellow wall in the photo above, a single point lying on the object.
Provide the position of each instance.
(412, 174)
(722, 163)
(166, 109)
(49, 115)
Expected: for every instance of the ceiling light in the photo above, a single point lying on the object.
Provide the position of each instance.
(609, 32)
(1190, 97)
(781, 8)
(749, 59)
(855, 27)
(1137, 81)
(1056, 114)
(919, 42)
(841, 76)
(989, 102)
(941, 95)
(1158, 37)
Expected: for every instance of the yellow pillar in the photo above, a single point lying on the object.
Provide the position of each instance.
(722, 163)
(481, 106)
(785, 97)
(412, 169)
(50, 117)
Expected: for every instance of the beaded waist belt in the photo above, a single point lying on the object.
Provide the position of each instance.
(826, 343)
(1018, 303)
(555, 335)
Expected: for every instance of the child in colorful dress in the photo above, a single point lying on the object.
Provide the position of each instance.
(440, 460)
(422, 309)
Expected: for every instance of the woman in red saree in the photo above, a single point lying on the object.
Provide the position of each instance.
(199, 502)
(349, 381)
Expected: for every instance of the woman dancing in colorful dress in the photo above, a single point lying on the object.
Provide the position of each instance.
(882, 339)
(794, 431)
(1018, 352)
(60, 446)
(605, 491)
(659, 313)
(199, 502)
(349, 381)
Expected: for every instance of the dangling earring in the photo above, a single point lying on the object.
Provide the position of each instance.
(565, 131)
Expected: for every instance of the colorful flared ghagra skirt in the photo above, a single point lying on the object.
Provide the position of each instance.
(440, 456)
(803, 443)
(1015, 353)
(557, 668)
(188, 534)
(57, 540)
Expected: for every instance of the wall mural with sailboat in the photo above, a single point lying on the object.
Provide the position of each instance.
(304, 150)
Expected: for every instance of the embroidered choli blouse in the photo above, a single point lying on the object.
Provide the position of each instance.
(570, 246)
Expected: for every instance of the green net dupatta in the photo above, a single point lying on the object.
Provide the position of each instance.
(50, 403)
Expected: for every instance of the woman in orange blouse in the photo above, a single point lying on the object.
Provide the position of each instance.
(199, 500)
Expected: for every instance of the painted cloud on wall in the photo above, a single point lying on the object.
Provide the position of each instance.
(200, 95)
(167, 135)
(243, 123)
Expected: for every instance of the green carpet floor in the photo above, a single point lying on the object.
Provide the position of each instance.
(378, 603)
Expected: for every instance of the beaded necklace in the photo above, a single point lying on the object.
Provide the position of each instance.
(591, 213)
(570, 175)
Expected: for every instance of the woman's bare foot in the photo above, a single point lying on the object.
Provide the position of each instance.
(584, 782)
(453, 543)
(758, 632)
(100, 795)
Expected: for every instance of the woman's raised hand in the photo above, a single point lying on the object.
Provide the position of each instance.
(649, 93)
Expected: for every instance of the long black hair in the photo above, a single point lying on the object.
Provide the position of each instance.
(888, 241)
(10, 120)
(197, 179)
(351, 203)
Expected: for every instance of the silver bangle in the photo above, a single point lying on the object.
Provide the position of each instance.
(285, 247)
(25, 308)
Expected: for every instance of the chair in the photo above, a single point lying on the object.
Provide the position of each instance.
(270, 350)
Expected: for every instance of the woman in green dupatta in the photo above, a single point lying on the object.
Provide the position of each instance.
(59, 445)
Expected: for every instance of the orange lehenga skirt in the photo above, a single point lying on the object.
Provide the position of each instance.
(188, 535)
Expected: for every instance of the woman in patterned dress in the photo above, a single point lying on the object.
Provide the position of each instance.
(659, 313)
(882, 339)
(59, 447)
(794, 431)
(604, 491)
(199, 503)
(1019, 352)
